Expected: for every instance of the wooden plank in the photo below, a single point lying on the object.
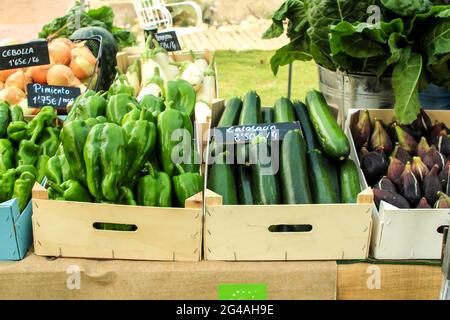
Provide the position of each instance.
(144, 280)
(231, 43)
(388, 282)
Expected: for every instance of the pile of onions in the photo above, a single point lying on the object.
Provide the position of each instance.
(60, 75)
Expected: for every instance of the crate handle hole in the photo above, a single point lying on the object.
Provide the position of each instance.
(115, 227)
(441, 229)
(291, 228)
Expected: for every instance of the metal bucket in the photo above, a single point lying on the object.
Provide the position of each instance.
(355, 91)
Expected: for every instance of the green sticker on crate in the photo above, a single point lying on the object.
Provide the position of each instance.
(242, 292)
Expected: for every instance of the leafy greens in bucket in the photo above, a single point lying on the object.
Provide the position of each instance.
(102, 17)
(408, 40)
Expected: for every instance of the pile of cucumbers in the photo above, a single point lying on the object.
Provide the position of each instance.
(314, 167)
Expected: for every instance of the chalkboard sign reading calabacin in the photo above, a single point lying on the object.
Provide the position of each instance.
(245, 134)
(40, 95)
(24, 55)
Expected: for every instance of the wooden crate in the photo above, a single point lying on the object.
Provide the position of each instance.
(241, 233)
(15, 230)
(403, 233)
(66, 229)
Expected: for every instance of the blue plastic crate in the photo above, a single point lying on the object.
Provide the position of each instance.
(15, 230)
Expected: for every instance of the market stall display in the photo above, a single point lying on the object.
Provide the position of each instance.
(407, 167)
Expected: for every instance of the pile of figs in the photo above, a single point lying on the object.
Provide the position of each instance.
(406, 165)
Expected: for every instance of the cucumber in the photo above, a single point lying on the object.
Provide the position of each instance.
(331, 136)
(350, 186)
(294, 170)
(308, 131)
(251, 109)
(221, 181)
(334, 172)
(322, 189)
(244, 185)
(230, 116)
(284, 110)
(267, 115)
(265, 184)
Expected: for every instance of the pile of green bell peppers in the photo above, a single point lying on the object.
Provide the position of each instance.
(25, 150)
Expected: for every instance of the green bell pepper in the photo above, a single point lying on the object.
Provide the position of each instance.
(141, 140)
(73, 137)
(121, 85)
(135, 115)
(186, 185)
(152, 103)
(41, 167)
(26, 168)
(126, 197)
(183, 95)
(6, 155)
(50, 141)
(29, 151)
(118, 106)
(155, 189)
(105, 157)
(169, 122)
(92, 107)
(16, 113)
(45, 118)
(58, 169)
(22, 189)
(74, 111)
(70, 190)
(17, 131)
(4, 118)
(7, 180)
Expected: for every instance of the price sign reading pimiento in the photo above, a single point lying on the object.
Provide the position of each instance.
(245, 134)
(24, 55)
(40, 95)
(168, 40)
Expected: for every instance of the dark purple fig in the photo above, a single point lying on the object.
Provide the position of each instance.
(443, 176)
(401, 154)
(380, 138)
(374, 166)
(443, 201)
(443, 145)
(423, 204)
(434, 157)
(391, 131)
(386, 184)
(410, 188)
(390, 197)
(395, 170)
(422, 147)
(435, 133)
(405, 140)
(431, 185)
(361, 129)
(422, 123)
(419, 169)
(364, 150)
(415, 133)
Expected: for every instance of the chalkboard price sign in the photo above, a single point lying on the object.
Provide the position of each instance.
(24, 55)
(245, 134)
(55, 96)
(168, 40)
